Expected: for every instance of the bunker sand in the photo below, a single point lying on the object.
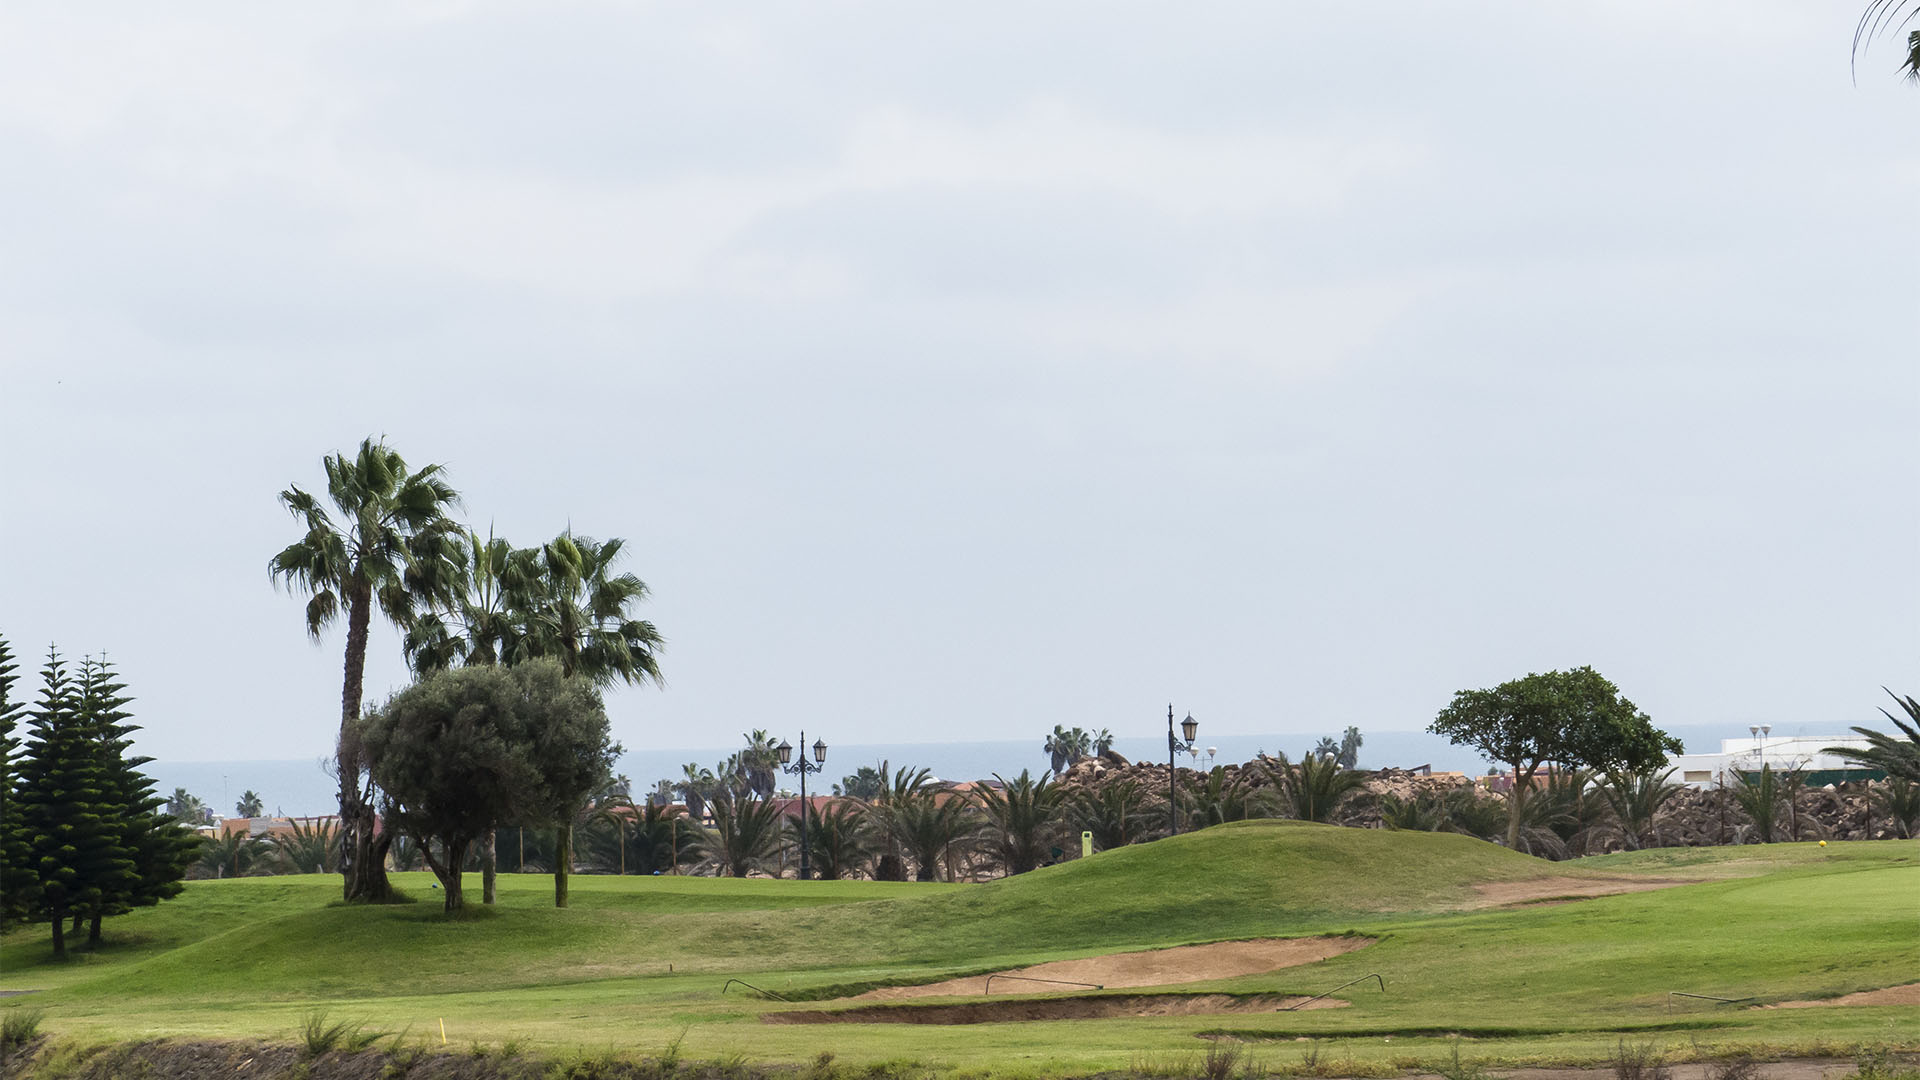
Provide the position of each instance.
(1153, 967)
(1539, 890)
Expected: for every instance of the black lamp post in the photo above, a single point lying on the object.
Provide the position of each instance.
(803, 767)
(1188, 728)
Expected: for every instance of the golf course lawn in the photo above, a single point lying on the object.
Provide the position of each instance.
(638, 964)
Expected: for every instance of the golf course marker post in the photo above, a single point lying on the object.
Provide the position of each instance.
(1086, 845)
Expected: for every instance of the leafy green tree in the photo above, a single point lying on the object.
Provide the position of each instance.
(565, 723)
(1349, 753)
(1117, 813)
(66, 807)
(746, 832)
(866, 783)
(1572, 718)
(19, 880)
(1022, 820)
(396, 549)
(451, 754)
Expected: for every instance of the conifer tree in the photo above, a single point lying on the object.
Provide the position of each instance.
(19, 885)
(159, 849)
(72, 833)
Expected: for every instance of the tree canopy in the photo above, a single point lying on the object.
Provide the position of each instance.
(1572, 718)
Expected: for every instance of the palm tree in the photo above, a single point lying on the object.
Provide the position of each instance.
(234, 854)
(1102, 742)
(929, 827)
(1884, 15)
(1412, 814)
(1759, 795)
(1899, 757)
(394, 548)
(1899, 798)
(311, 848)
(745, 832)
(1021, 822)
(249, 805)
(1117, 813)
(834, 839)
(1214, 800)
(1314, 788)
(1637, 799)
(1059, 747)
(577, 610)
(758, 766)
(695, 785)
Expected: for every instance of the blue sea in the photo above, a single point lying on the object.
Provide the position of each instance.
(302, 787)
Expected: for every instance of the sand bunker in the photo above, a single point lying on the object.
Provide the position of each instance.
(1887, 995)
(1069, 1008)
(1154, 967)
(1498, 893)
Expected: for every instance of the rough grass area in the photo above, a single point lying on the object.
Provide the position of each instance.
(642, 963)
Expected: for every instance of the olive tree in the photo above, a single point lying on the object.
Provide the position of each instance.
(1572, 718)
(451, 758)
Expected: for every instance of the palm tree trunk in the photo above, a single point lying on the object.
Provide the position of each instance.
(363, 862)
(562, 861)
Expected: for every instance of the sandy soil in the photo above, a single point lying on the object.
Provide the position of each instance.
(1071, 1008)
(1498, 893)
(1154, 967)
(1888, 995)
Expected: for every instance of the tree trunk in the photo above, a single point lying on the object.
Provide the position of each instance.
(1514, 798)
(455, 849)
(562, 861)
(488, 865)
(93, 930)
(356, 816)
(59, 934)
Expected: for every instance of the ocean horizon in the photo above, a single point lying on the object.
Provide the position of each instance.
(300, 787)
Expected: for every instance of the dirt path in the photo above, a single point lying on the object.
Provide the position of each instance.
(1069, 1008)
(1887, 995)
(1499, 893)
(1153, 967)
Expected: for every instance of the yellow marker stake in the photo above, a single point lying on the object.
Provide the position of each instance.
(443, 1031)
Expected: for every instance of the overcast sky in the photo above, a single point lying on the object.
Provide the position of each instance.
(956, 371)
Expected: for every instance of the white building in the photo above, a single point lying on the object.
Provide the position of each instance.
(1783, 752)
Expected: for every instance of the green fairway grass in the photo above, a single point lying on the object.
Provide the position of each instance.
(638, 963)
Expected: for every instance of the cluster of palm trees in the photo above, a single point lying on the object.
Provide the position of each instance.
(1070, 746)
(383, 539)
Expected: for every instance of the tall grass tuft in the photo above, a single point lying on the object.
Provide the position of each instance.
(18, 1027)
(1639, 1062)
(318, 1037)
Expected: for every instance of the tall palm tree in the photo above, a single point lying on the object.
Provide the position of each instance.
(393, 548)
(879, 818)
(1898, 756)
(1884, 15)
(578, 612)
(694, 786)
(250, 805)
(1021, 820)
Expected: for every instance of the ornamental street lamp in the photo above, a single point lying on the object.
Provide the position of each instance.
(1188, 728)
(803, 767)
